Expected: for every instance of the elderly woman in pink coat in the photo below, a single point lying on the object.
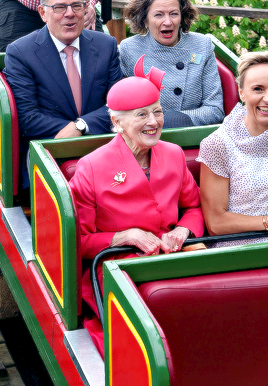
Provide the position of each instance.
(130, 191)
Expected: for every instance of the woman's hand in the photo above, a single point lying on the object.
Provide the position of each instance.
(146, 241)
(175, 238)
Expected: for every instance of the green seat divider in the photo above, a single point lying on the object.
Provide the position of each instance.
(2, 62)
(54, 232)
(67, 148)
(176, 265)
(225, 55)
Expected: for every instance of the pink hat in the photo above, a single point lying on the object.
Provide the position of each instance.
(136, 91)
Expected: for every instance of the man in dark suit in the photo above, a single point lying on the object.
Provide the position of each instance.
(20, 17)
(35, 68)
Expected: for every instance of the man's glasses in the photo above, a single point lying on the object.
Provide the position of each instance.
(79, 6)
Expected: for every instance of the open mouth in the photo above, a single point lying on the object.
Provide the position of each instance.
(167, 33)
(70, 25)
(149, 132)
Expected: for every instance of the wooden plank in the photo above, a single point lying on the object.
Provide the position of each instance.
(117, 29)
(119, 3)
(251, 13)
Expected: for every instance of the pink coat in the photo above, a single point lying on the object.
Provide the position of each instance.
(106, 206)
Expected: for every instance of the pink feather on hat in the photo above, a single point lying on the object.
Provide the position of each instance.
(136, 91)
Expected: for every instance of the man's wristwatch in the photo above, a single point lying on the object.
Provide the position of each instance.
(80, 125)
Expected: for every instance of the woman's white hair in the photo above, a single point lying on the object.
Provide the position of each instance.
(115, 114)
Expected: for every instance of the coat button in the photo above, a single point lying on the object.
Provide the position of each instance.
(180, 66)
(177, 91)
(160, 208)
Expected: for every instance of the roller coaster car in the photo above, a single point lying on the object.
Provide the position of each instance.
(192, 318)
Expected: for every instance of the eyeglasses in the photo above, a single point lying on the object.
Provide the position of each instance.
(158, 113)
(62, 8)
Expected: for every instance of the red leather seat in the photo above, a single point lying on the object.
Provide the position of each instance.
(229, 87)
(68, 168)
(216, 327)
(193, 165)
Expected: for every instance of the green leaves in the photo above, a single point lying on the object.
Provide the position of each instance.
(237, 33)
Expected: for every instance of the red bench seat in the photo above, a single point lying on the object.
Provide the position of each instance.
(216, 327)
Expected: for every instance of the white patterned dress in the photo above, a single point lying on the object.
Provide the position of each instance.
(231, 152)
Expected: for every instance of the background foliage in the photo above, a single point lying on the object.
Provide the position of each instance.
(238, 34)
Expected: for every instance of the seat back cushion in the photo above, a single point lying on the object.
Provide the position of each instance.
(193, 165)
(229, 87)
(15, 134)
(68, 168)
(216, 326)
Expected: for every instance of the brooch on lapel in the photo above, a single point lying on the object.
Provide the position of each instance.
(119, 178)
(195, 58)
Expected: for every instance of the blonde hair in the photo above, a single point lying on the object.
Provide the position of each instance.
(248, 60)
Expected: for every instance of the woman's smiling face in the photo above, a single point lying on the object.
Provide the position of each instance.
(142, 127)
(164, 20)
(255, 95)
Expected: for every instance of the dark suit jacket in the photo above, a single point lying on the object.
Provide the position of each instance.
(43, 95)
(44, 99)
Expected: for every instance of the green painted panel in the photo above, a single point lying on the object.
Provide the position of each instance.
(116, 282)
(189, 136)
(196, 263)
(225, 55)
(78, 147)
(176, 265)
(57, 185)
(2, 63)
(75, 147)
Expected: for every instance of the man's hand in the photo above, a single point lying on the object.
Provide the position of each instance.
(90, 17)
(68, 131)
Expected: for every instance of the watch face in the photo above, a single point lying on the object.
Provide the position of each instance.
(80, 126)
